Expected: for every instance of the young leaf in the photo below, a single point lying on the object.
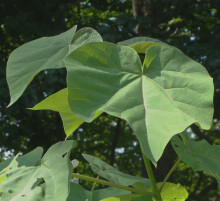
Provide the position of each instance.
(28, 60)
(173, 192)
(159, 99)
(113, 175)
(59, 102)
(139, 39)
(141, 44)
(49, 180)
(201, 156)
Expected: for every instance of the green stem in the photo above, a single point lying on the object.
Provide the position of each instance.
(151, 177)
(94, 185)
(169, 174)
(100, 181)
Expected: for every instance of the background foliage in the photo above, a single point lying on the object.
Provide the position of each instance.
(192, 26)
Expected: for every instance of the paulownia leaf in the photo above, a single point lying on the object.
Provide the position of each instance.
(78, 193)
(159, 99)
(111, 174)
(59, 102)
(47, 181)
(28, 60)
(201, 156)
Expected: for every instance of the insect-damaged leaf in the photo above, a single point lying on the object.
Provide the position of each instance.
(46, 181)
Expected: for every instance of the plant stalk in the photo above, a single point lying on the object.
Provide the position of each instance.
(94, 185)
(100, 181)
(150, 173)
(169, 174)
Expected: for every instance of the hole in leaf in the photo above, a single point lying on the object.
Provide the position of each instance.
(64, 155)
(176, 145)
(37, 182)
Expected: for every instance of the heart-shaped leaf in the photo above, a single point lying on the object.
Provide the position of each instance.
(28, 60)
(158, 99)
(201, 156)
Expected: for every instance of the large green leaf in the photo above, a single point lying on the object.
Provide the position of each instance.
(159, 99)
(78, 193)
(46, 181)
(28, 60)
(59, 102)
(111, 174)
(201, 156)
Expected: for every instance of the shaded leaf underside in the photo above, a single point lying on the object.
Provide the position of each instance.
(59, 102)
